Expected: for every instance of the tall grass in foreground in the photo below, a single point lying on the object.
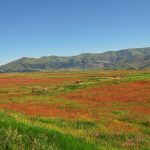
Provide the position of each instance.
(16, 135)
(20, 132)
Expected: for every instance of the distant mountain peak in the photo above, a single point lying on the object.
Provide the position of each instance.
(136, 58)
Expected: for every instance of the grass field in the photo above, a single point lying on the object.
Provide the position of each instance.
(75, 110)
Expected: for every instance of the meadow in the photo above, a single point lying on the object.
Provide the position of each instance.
(75, 110)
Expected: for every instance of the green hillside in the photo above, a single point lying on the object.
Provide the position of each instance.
(138, 58)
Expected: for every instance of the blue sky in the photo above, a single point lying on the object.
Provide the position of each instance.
(37, 28)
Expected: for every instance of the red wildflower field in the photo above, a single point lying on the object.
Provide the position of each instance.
(106, 108)
(47, 110)
(125, 92)
(26, 81)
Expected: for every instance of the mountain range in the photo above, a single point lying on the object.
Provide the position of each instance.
(137, 58)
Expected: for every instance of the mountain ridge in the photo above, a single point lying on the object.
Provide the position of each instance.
(135, 58)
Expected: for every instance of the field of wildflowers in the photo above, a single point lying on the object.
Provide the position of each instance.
(75, 110)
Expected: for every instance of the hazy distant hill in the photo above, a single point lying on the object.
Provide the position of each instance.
(138, 58)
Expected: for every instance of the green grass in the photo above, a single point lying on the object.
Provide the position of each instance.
(82, 124)
(26, 132)
(139, 76)
(18, 135)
